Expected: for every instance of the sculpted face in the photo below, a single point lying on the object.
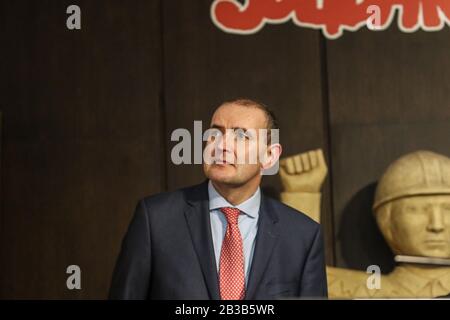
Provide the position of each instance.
(237, 140)
(419, 226)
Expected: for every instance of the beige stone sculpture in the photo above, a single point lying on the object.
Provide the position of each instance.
(412, 210)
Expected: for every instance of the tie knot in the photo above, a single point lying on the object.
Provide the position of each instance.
(231, 214)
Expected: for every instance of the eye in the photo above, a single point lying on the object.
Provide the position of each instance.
(241, 134)
(214, 133)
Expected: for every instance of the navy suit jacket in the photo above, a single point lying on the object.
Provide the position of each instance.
(167, 252)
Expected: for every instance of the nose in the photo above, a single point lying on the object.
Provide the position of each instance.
(226, 141)
(222, 151)
(436, 222)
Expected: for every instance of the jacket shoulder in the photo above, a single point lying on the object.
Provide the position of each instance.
(163, 198)
(291, 215)
(170, 201)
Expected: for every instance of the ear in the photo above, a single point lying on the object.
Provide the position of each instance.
(383, 217)
(271, 156)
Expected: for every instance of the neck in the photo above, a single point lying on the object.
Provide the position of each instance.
(236, 194)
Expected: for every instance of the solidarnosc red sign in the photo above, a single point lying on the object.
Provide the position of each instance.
(331, 16)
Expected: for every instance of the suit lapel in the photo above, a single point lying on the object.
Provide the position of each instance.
(266, 239)
(198, 220)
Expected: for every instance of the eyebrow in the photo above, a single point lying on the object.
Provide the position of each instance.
(216, 126)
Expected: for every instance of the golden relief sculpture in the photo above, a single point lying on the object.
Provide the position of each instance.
(412, 210)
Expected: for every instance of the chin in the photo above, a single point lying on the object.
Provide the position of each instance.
(426, 250)
(220, 173)
(437, 253)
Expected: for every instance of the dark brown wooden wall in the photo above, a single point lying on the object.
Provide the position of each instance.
(87, 118)
(82, 139)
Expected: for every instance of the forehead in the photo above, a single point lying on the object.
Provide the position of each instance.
(237, 116)
(424, 199)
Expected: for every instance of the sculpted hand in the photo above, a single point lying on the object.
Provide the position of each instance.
(304, 172)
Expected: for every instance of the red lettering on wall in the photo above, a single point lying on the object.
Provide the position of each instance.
(331, 16)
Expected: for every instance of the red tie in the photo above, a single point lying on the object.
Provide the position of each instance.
(231, 270)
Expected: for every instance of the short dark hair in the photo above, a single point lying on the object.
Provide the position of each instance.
(272, 121)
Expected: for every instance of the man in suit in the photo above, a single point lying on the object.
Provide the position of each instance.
(223, 239)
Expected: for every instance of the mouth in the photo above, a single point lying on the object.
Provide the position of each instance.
(436, 242)
(223, 163)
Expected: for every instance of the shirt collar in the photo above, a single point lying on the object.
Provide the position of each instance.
(250, 206)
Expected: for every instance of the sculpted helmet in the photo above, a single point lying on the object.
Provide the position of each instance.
(417, 173)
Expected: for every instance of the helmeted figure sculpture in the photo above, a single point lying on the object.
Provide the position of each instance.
(412, 210)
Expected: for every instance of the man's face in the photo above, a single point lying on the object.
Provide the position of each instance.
(225, 166)
(420, 226)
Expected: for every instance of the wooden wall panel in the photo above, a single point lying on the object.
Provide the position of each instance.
(81, 139)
